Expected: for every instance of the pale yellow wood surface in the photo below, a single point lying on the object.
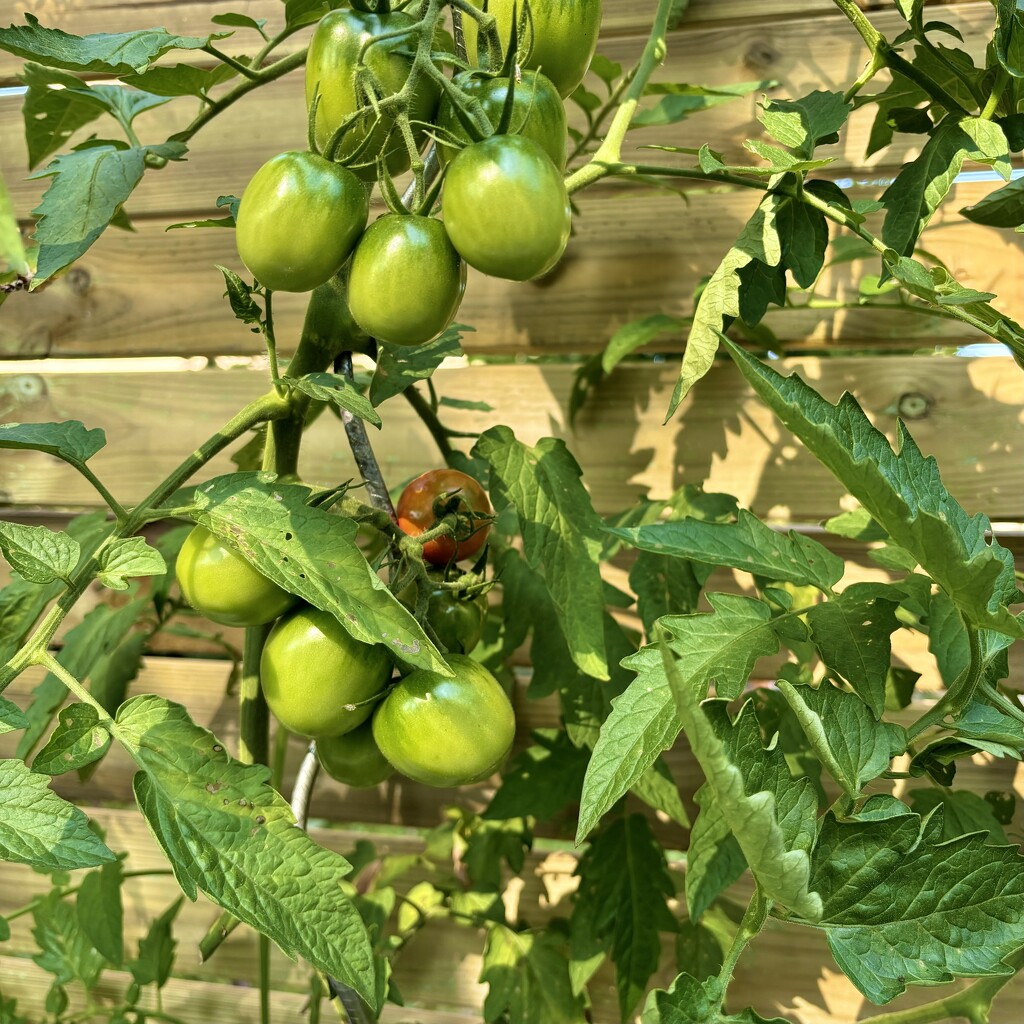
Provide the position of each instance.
(722, 434)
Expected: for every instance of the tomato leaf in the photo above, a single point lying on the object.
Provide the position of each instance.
(852, 746)
(680, 100)
(38, 828)
(901, 491)
(624, 878)
(126, 558)
(338, 390)
(79, 739)
(528, 978)
(100, 911)
(12, 717)
(311, 553)
(689, 1001)
(900, 905)
(227, 832)
(922, 185)
(560, 530)
(156, 949)
(88, 189)
(714, 859)
(110, 53)
(1009, 37)
(401, 366)
(963, 813)
(84, 646)
(180, 79)
(900, 93)
(806, 123)
(722, 646)
(39, 554)
(1003, 208)
(69, 441)
(658, 790)
(65, 951)
(719, 302)
(12, 248)
(747, 544)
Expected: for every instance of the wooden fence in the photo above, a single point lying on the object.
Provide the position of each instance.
(135, 340)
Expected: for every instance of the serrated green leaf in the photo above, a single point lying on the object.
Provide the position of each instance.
(807, 122)
(180, 79)
(111, 53)
(339, 391)
(852, 633)
(239, 295)
(901, 93)
(856, 525)
(305, 12)
(313, 554)
(923, 184)
(128, 557)
(699, 951)
(12, 717)
(773, 823)
(156, 949)
(779, 160)
(963, 813)
(528, 978)
(689, 1001)
(79, 739)
(100, 911)
(240, 21)
(401, 366)
(12, 248)
(560, 533)
(658, 790)
(65, 951)
(88, 189)
(719, 302)
(901, 907)
(747, 544)
(102, 630)
(902, 492)
(635, 335)
(38, 828)
(853, 747)
(40, 555)
(53, 115)
(227, 832)
(624, 877)
(721, 646)
(1003, 208)
(803, 232)
(1009, 37)
(69, 441)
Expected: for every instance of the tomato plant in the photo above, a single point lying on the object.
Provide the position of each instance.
(537, 114)
(406, 279)
(435, 493)
(220, 584)
(298, 220)
(506, 208)
(317, 679)
(560, 36)
(354, 758)
(342, 45)
(842, 697)
(446, 728)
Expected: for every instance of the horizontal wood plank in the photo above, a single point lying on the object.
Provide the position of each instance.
(155, 292)
(970, 418)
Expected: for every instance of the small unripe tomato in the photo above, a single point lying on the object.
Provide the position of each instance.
(317, 678)
(506, 208)
(299, 218)
(220, 584)
(406, 280)
(354, 758)
(416, 513)
(457, 618)
(446, 729)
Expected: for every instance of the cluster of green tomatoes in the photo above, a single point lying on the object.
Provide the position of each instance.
(501, 141)
(441, 729)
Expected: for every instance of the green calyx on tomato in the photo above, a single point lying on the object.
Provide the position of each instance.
(558, 37)
(537, 113)
(506, 208)
(435, 494)
(354, 758)
(317, 678)
(220, 584)
(446, 729)
(406, 281)
(341, 44)
(298, 221)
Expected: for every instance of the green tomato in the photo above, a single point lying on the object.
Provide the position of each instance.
(506, 208)
(537, 113)
(446, 729)
(220, 584)
(457, 619)
(314, 673)
(331, 66)
(354, 758)
(299, 218)
(406, 280)
(561, 41)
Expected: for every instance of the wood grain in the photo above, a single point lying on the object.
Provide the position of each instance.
(722, 435)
